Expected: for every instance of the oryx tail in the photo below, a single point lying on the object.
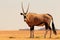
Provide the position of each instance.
(53, 27)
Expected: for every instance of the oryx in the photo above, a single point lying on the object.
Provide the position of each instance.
(34, 19)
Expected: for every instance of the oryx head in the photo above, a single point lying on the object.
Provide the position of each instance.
(23, 12)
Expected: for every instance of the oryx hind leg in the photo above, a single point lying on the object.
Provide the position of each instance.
(32, 32)
(45, 33)
(46, 29)
(50, 31)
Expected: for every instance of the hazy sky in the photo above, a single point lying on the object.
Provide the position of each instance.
(10, 19)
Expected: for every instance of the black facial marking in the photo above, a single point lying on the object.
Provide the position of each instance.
(21, 13)
(24, 17)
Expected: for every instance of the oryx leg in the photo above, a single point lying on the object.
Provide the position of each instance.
(50, 31)
(46, 28)
(32, 32)
(45, 33)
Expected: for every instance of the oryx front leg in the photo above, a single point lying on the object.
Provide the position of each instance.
(32, 32)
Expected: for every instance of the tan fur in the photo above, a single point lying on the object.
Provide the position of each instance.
(34, 19)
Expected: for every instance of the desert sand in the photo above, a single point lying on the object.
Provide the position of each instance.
(24, 35)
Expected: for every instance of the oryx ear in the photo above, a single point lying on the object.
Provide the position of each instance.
(21, 13)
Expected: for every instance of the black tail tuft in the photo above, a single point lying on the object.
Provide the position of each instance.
(53, 28)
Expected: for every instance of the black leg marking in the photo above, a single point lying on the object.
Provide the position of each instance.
(49, 28)
(32, 32)
(32, 28)
(46, 28)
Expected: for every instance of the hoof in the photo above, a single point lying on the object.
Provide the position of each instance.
(49, 37)
(31, 37)
(44, 37)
